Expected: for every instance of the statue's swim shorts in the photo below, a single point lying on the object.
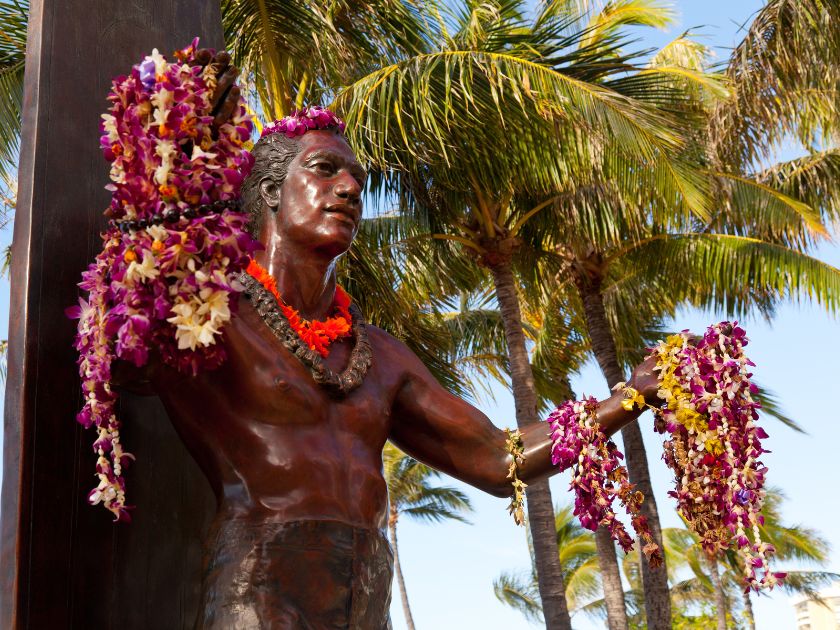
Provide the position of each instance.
(302, 575)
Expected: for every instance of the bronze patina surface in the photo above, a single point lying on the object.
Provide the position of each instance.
(281, 449)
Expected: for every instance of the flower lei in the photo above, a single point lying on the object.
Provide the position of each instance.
(166, 275)
(516, 448)
(713, 447)
(598, 477)
(714, 443)
(302, 120)
(318, 335)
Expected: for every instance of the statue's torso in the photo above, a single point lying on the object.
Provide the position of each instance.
(275, 445)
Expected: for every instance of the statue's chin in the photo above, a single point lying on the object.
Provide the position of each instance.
(336, 242)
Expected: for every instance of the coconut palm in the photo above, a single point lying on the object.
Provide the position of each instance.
(13, 19)
(296, 52)
(547, 87)
(720, 575)
(578, 557)
(601, 237)
(411, 493)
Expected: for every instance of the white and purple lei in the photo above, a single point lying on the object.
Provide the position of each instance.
(165, 278)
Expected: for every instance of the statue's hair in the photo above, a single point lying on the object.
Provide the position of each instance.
(273, 154)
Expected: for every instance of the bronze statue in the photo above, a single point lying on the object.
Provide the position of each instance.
(296, 466)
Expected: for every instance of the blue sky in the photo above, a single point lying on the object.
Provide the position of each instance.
(449, 568)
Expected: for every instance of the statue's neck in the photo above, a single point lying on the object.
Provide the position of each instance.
(305, 278)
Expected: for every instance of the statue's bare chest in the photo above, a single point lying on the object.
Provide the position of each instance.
(281, 389)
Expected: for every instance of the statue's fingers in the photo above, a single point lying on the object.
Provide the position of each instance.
(228, 105)
(223, 86)
(203, 57)
(222, 60)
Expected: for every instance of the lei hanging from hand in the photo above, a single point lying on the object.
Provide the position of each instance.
(714, 444)
(713, 447)
(599, 478)
(165, 278)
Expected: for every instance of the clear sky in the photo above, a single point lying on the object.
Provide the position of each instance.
(449, 568)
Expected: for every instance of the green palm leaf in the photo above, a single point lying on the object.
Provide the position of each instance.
(295, 52)
(422, 113)
(709, 262)
(13, 20)
(411, 492)
(520, 593)
(811, 179)
(765, 212)
(784, 77)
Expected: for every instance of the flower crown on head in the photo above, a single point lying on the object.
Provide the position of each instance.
(302, 120)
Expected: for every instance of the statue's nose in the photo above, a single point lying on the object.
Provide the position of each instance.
(348, 188)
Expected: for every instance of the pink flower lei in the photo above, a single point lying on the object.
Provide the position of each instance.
(713, 447)
(166, 275)
(714, 444)
(598, 477)
(307, 119)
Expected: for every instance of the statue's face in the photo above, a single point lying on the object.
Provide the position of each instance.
(319, 204)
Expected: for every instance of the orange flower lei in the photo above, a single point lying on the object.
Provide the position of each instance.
(316, 334)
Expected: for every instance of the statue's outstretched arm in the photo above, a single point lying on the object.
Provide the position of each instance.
(454, 437)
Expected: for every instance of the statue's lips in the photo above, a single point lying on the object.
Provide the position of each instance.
(343, 214)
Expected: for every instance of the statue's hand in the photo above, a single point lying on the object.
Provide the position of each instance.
(646, 380)
(226, 95)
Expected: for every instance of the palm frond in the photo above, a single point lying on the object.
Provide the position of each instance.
(808, 583)
(784, 77)
(422, 114)
(618, 14)
(520, 594)
(411, 492)
(294, 51)
(811, 179)
(14, 15)
(763, 211)
(732, 272)
(771, 406)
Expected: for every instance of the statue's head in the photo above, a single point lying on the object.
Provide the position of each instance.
(306, 183)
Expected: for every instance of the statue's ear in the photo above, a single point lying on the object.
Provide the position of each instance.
(270, 193)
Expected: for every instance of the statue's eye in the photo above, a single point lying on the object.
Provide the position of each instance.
(324, 167)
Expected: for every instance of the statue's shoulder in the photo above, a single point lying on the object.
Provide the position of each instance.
(382, 340)
(394, 351)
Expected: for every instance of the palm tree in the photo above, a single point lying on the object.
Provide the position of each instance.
(578, 557)
(547, 82)
(411, 493)
(14, 15)
(296, 52)
(614, 248)
(720, 575)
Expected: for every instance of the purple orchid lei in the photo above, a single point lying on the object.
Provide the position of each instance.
(714, 444)
(166, 275)
(307, 119)
(598, 477)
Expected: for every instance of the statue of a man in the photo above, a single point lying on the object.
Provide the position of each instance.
(296, 466)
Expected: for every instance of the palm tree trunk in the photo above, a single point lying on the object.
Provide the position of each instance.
(392, 528)
(538, 494)
(748, 611)
(654, 581)
(611, 580)
(720, 597)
